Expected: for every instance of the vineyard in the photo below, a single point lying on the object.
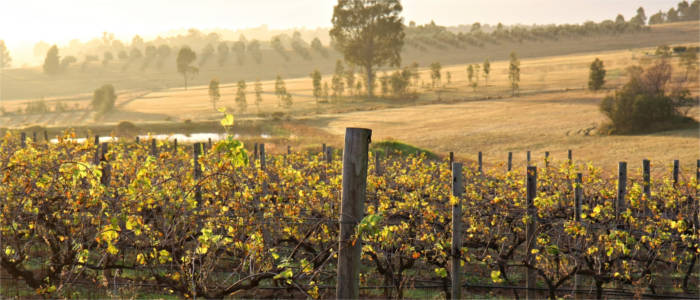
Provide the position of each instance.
(127, 219)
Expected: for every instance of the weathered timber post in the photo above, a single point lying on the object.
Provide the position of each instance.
(510, 161)
(46, 136)
(355, 156)
(646, 177)
(196, 151)
(255, 152)
(377, 164)
(457, 192)
(106, 168)
(621, 191)
(262, 157)
(154, 148)
(546, 160)
(96, 159)
(578, 198)
(570, 156)
(137, 140)
(481, 162)
(175, 145)
(329, 154)
(531, 274)
(528, 158)
(23, 139)
(34, 137)
(676, 169)
(452, 158)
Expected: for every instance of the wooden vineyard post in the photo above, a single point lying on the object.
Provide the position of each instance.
(46, 136)
(452, 158)
(353, 193)
(481, 162)
(323, 149)
(531, 275)
(255, 154)
(546, 160)
(154, 148)
(329, 154)
(646, 177)
(570, 156)
(137, 140)
(457, 191)
(621, 191)
(23, 139)
(209, 144)
(510, 161)
(96, 159)
(528, 158)
(289, 149)
(262, 156)
(106, 168)
(196, 151)
(377, 164)
(175, 145)
(33, 136)
(676, 168)
(697, 172)
(578, 198)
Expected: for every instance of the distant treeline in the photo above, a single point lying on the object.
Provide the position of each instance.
(684, 12)
(212, 49)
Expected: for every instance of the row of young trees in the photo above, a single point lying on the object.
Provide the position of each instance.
(241, 98)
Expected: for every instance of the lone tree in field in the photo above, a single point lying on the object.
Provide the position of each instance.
(240, 97)
(52, 65)
(514, 73)
(596, 78)
(316, 80)
(435, 75)
(350, 79)
(337, 83)
(258, 94)
(280, 90)
(214, 94)
(5, 61)
(184, 58)
(103, 99)
(369, 34)
(487, 71)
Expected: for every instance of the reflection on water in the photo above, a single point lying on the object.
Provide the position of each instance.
(181, 138)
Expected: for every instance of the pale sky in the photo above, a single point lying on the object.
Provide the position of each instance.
(25, 22)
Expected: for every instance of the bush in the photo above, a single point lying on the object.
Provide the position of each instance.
(103, 99)
(126, 129)
(644, 103)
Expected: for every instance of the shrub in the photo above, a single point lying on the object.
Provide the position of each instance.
(645, 103)
(103, 99)
(126, 129)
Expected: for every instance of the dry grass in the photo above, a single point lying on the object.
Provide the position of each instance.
(552, 122)
(537, 75)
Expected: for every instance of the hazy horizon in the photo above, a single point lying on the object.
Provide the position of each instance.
(59, 23)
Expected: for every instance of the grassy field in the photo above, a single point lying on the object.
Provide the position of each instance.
(553, 122)
(78, 82)
(553, 113)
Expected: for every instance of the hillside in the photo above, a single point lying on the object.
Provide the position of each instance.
(79, 82)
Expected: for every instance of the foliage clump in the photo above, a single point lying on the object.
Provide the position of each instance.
(648, 102)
